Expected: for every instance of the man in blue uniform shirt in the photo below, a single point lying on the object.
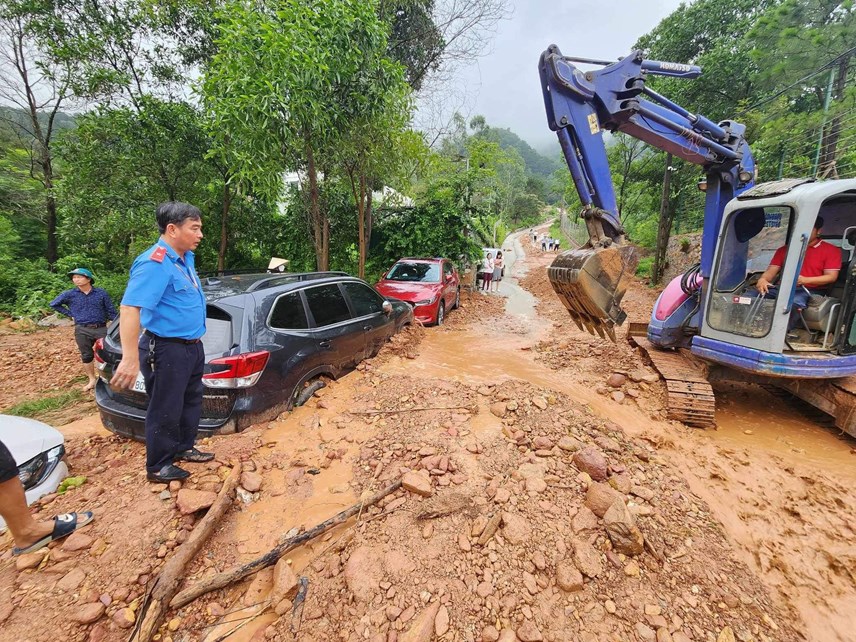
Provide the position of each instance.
(165, 297)
(91, 309)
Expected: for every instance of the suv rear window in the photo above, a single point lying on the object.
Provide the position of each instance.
(327, 305)
(288, 313)
(218, 331)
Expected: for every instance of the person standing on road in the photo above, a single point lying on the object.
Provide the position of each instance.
(164, 295)
(498, 263)
(91, 309)
(556, 243)
(487, 271)
(543, 242)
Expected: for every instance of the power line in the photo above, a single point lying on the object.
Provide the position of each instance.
(820, 69)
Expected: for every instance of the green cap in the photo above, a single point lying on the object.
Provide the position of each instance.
(83, 272)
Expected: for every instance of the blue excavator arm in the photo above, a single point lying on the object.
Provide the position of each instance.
(580, 105)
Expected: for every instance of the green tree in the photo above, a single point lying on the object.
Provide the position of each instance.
(285, 86)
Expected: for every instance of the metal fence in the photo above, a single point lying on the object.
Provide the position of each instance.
(574, 230)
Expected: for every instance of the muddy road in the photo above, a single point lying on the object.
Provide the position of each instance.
(512, 530)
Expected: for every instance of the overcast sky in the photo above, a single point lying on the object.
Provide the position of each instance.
(504, 86)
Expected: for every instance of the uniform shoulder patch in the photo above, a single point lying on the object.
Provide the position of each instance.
(158, 255)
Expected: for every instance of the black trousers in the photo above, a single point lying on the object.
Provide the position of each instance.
(175, 389)
(8, 467)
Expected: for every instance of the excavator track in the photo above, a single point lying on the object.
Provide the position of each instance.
(689, 394)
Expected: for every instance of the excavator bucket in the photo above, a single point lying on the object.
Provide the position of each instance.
(591, 283)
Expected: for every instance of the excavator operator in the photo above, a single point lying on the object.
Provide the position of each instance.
(820, 268)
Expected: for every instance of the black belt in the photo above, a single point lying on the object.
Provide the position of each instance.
(171, 339)
(92, 325)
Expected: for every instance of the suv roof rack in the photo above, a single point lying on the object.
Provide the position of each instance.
(286, 277)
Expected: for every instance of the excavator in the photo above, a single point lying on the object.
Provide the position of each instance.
(712, 322)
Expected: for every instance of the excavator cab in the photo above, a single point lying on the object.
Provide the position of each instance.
(782, 334)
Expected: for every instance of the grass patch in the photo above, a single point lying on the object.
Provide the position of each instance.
(644, 268)
(38, 407)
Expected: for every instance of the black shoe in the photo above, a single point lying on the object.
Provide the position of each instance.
(193, 455)
(167, 474)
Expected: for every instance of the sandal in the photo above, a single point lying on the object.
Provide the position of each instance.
(64, 525)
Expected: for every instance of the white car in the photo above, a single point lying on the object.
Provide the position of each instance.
(39, 451)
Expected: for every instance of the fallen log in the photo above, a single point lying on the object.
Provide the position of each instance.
(270, 558)
(167, 582)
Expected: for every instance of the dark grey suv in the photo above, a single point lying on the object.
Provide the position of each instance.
(269, 340)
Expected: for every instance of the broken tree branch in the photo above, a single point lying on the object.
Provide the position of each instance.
(166, 585)
(270, 558)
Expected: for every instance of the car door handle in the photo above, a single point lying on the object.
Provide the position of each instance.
(324, 344)
(367, 328)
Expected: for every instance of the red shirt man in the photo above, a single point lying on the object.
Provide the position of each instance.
(820, 266)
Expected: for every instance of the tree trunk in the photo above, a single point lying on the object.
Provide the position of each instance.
(827, 167)
(224, 227)
(664, 225)
(320, 223)
(50, 206)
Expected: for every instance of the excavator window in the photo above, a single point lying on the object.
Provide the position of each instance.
(752, 236)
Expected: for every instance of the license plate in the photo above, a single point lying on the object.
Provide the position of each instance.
(139, 384)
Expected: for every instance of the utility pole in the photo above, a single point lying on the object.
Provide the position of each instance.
(664, 224)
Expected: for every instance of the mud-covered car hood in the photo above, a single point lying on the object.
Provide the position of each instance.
(26, 438)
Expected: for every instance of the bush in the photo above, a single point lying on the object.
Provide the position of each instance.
(645, 266)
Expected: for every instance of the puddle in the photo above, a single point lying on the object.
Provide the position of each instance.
(749, 417)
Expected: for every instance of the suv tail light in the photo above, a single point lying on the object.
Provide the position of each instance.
(240, 371)
(99, 360)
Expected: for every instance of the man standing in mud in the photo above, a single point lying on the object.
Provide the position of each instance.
(91, 309)
(165, 297)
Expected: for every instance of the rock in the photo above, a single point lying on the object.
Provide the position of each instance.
(507, 635)
(441, 622)
(653, 609)
(515, 528)
(490, 528)
(632, 569)
(190, 501)
(175, 485)
(539, 560)
(584, 520)
(528, 632)
(71, 580)
(418, 483)
(77, 541)
(502, 495)
(484, 589)
(616, 380)
(663, 635)
(610, 607)
(422, 629)
(621, 483)
(283, 607)
(569, 444)
(535, 485)
(542, 443)
(285, 582)
(617, 396)
(464, 543)
(98, 633)
(260, 587)
(88, 613)
(173, 624)
(363, 572)
(6, 606)
(251, 481)
(527, 471)
(30, 560)
(530, 583)
(499, 409)
(645, 632)
(568, 577)
(489, 634)
(124, 618)
(600, 497)
(622, 530)
(587, 558)
(541, 404)
(590, 460)
(726, 635)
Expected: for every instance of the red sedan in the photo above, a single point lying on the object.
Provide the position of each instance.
(431, 286)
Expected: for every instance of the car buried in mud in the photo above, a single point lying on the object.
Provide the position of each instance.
(270, 341)
(431, 286)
